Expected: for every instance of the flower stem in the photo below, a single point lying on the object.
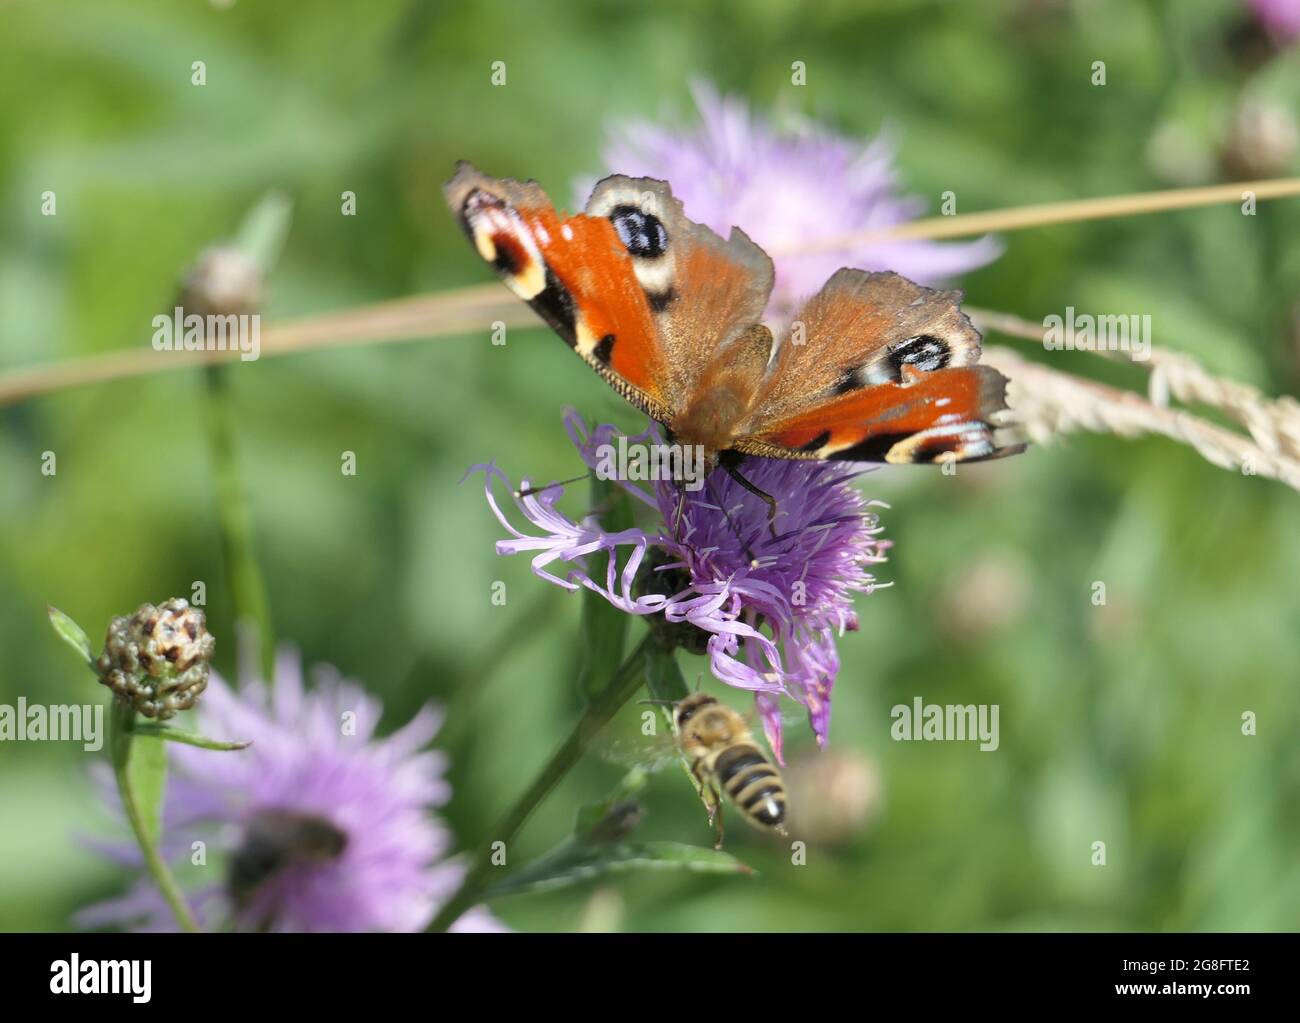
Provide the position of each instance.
(242, 570)
(123, 721)
(626, 681)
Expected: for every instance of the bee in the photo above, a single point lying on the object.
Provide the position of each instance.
(275, 841)
(722, 753)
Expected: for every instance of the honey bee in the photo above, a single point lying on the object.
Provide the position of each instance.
(275, 841)
(722, 753)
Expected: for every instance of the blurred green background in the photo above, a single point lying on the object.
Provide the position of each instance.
(1119, 723)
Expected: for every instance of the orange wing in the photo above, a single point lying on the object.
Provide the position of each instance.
(945, 414)
(575, 273)
(643, 294)
(876, 368)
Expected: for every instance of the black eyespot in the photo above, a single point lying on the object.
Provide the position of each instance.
(642, 233)
(924, 352)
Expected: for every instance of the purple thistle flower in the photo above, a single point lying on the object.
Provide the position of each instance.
(766, 610)
(1280, 17)
(326, 828)
(786, 189)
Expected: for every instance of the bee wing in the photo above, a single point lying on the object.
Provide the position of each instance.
(650, 753)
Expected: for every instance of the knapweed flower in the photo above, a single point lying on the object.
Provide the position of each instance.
(766, 608)
(322, 826)
(157, 659)
(1280, 17)
(787, 189)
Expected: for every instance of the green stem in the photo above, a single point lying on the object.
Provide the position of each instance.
(187, 738)
(123, 722)
(247, 586)
(626, 681)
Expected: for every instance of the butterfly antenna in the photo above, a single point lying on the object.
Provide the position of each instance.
(734, 473)
(530, 491)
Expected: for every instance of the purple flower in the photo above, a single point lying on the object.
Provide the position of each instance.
(1280, 17)
(787, 189)
(323, 826)
(766, 609)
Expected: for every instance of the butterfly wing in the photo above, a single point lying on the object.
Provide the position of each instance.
(704, 291)
(573, 271)
(877, 368)
(640, 292)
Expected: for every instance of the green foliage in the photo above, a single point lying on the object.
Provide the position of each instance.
(574, 863)
(602, 627)
(72, 634)
(1119, 723)
(146, 769)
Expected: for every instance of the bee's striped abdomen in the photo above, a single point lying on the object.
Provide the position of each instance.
(753, 784)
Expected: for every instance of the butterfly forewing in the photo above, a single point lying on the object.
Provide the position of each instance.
(930, 417)
(703, 290)
(876, 368)
(574, 272)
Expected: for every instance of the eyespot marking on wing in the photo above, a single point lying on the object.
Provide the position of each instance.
(638, 216)
(504, 241)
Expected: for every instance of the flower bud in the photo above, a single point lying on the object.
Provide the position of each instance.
(158, 658)
(224, 281)
(1261, 141)
(833, 796)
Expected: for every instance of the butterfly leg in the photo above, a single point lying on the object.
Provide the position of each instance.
(734, 473)
(727, 515)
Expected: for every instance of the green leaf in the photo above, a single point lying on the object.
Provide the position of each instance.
(154, 731)
(603, 626)
(576, 863)
(146, 769)
(663, 676)
(262, 233)
(72, 634)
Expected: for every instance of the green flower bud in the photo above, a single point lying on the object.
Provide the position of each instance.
(158, 658)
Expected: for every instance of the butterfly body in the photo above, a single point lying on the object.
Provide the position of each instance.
(872, 368)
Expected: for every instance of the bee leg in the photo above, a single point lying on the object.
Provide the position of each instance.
(717, 802)
(707, 793)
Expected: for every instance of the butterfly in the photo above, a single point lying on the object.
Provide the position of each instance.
(873, 368)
